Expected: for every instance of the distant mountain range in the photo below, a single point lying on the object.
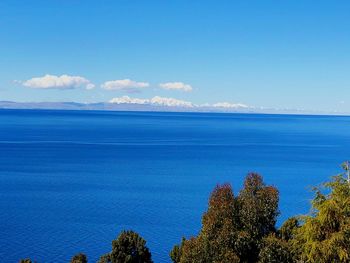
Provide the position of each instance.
(110, 106)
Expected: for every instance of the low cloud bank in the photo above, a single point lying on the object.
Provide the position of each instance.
(229, 105)
(172, 102)
(159, 101)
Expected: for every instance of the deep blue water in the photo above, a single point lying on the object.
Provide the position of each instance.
(71, 180)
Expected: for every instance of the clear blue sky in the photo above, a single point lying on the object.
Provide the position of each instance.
(278, 54)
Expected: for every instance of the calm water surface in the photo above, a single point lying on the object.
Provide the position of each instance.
(70, 180)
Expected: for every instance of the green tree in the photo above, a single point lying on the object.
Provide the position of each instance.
(232, 228)
(105, 258)
(176, 252)
(289, 228)
(258, 211)
(258, 206)
(193, 251)
(79, 258)
(325, 234)
(129, 247)
(215, 241)
(275, 250)
(220, 223)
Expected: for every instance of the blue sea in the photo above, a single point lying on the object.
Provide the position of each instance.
(70, 181)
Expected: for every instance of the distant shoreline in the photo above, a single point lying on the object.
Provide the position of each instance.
(112, 107)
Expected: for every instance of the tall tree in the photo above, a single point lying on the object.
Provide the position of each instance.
(232, 228)
(325, 235)
(258, 206)
(220, 223)
(258, 211)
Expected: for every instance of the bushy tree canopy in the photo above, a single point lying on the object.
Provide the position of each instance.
(325, 234)
(129, 247)
(175, 253)
(79, 258)
(242, 228)
(232, 228)
(258, 206)
(275, 250)
(289, 228)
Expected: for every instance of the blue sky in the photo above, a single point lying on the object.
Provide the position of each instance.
(277, 54)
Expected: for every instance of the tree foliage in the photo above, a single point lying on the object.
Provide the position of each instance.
(175, 253)
(242, 228)
(325, 234)
(233, 227)
(79, 258)
(129, 247)
(275, 250)
(105, 258)
(258, 206)
(289, 228)
(258, 211)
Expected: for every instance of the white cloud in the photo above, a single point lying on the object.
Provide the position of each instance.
(157, 101)
(128, 100)
(58, 82)
(229, 105)
(176, 86)
(172, 102)
(127, 85)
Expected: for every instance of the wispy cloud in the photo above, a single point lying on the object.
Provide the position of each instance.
(176, 86)
(127, 85)
(57, 82)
